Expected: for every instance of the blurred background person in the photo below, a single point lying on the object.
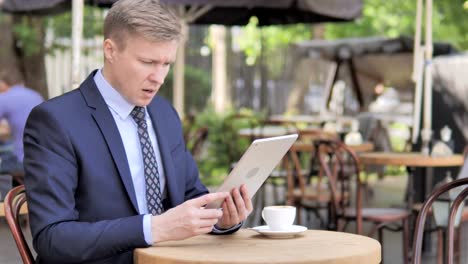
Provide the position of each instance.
(16, 102)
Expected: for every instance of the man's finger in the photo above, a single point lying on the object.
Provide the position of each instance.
(208, 198)
(231, 207)
(207, 222)
(210, 213)
(238, 198)
(246, 197)
(226, 213)
(240, 206)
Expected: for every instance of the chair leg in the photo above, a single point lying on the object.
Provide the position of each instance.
(405, 241)
(440, 246)
(457, 251)
(299, 214)
(380, 238)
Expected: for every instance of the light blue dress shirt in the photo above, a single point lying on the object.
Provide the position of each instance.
(121, 109)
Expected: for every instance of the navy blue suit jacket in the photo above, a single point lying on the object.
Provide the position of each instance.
(82, 203)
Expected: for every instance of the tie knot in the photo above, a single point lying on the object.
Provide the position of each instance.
(138, 114)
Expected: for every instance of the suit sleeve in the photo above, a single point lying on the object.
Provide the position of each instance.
(52, 173)
(195, 188)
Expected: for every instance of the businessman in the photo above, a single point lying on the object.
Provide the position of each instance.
(106, 166)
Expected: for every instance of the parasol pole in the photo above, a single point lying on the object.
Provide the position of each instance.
(417, 72)
(219, 92)
(426, 133)
(179, 73)
(77, 33)
(186, 17)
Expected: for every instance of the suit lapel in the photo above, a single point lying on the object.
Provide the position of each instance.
(159, 118)
(106, 123)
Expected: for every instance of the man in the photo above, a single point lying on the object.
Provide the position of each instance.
(106, 166)
(16, 102)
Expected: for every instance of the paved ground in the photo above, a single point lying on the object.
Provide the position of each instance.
(387, 192)
(8, 251)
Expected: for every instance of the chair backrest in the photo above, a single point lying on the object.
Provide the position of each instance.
(195, 142)
(419, 230)
(301, 165)
(341, 165)
(14, 200)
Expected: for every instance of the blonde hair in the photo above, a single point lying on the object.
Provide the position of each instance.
(146, 18)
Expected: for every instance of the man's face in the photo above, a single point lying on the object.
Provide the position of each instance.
(137, 71)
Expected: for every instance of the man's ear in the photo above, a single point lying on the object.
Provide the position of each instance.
(110, 49)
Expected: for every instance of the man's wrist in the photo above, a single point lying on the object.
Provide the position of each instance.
(157, 232)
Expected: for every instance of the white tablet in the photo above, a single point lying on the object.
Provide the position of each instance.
(255, 165)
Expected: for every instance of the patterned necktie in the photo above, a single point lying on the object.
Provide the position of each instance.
(153, 190)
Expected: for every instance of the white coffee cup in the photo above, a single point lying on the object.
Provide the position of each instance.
(279, 218)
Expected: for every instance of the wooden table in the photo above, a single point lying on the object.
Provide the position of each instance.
(273, 131)
(247, 246)
(363, 147)
(5, 132)
(267, 131)
(411, 160)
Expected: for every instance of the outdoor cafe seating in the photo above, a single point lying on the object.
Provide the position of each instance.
(14, 207)
(341, 184)
(452, 207)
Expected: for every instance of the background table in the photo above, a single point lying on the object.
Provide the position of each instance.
(247, 246)
(363, 147)
(411, 160)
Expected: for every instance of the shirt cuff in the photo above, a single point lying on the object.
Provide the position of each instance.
(219, 231)
(147, 229)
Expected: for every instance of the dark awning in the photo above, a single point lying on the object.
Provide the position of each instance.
(226, 12)
(371, 60)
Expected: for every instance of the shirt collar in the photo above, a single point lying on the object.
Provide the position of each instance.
(112, 97)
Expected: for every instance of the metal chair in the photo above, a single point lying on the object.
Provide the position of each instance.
(341, 165)
(302, 192)
(14, 201)
(420, 221)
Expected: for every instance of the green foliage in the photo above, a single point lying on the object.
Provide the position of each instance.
(272, 39)
(93, 20)
(224, 145)
(28, 35)
(398, 17)
(197, 88)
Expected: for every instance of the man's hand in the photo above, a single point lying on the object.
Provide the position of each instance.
(236, 208)
(188, 219)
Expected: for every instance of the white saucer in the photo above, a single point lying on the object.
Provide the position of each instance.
(265, 230)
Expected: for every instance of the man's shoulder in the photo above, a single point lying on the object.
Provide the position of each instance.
(162, 104)
(65, 100)
(64, 104)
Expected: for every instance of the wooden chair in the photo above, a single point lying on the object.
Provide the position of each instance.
(313, 196)
(426, 208)
(196, 140)
(14, 206)
(341, 165)
(440, 232)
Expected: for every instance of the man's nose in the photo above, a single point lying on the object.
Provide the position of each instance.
(157, 76)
